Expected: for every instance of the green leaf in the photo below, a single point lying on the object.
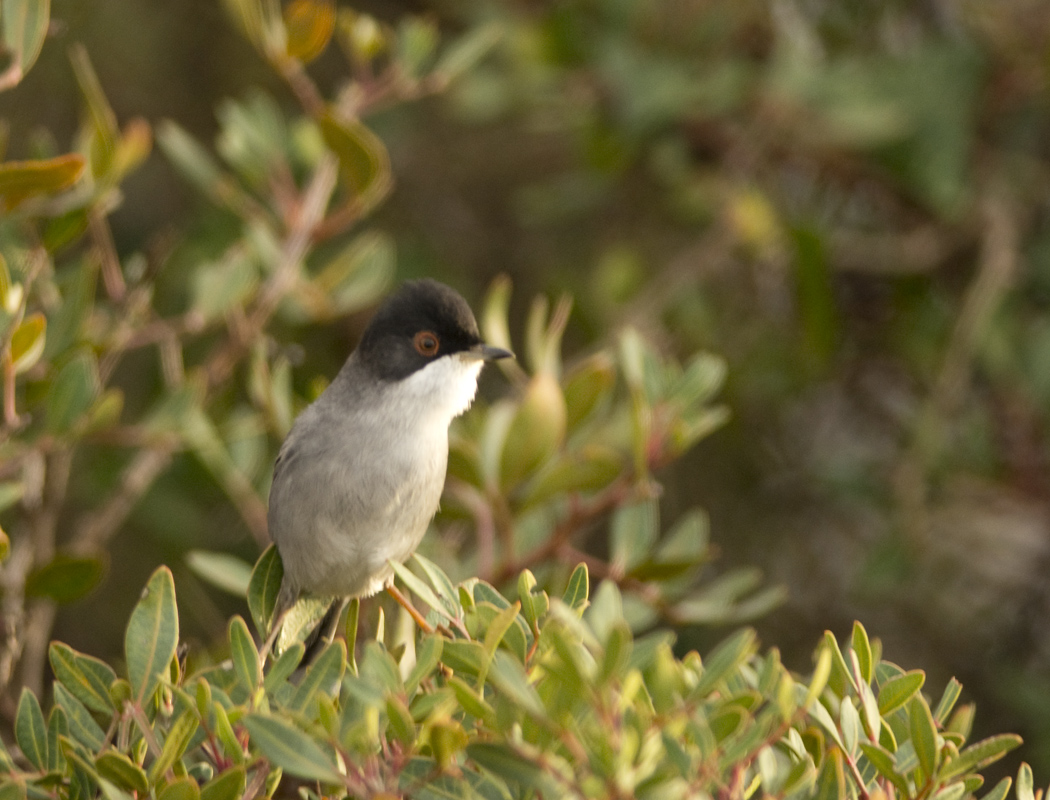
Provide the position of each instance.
(190, 159)
(418, 587)
(263, 588)
(428, 655)
(284, 666)
(923, 735)
(536, 431)
(617, 653)
(508, 676)
(841, 675)
(472, 701)
(506, 763)
(228, 785)
(634, 530)
(980, 754)
(104, 128)
(325, 672)
(224, 730)
(22, 180)
(947, 701)
(82, 725)
(1025, 784)
(12, 790)
(896, 692)
(1000, 791)
(575, 595)
(862, 647)
(30, 730)
(66, 578)
(120, 770)
(290, 749)
(261, 23)
(86, 678)
(244, 654)
(442, 585)
(467, 51)
(724, 659)
(534, 601)
(57, 728)
(152, 635)
(353, 278)
(464, 657)
(400, 720)
(379, 668)
(180, 789)
(882, 760)
(179, 735)
(221, 570)
(25, 24)
(363, 160)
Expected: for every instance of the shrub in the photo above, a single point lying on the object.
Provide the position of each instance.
(533, 697)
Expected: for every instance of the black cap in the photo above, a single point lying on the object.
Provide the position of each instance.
(422, 321)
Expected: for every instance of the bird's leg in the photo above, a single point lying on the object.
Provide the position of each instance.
(406, 604)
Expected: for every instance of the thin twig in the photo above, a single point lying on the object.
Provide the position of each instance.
(96, 529)
(995, 273)
(296, 246)
(102, 236)
(579, 517)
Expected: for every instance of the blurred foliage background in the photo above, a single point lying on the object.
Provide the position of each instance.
(849, 202)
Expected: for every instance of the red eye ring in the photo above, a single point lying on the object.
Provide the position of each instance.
(426, 343)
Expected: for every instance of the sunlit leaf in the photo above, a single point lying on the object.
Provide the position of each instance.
(309, 24)
(25, 25)
(27, 342)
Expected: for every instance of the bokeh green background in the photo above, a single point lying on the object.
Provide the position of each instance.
(849, 201)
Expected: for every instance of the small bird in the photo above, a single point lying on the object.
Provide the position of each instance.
(360, 475)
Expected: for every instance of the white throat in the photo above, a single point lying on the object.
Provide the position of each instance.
(445, 388)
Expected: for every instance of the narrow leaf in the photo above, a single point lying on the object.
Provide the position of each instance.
(862, 647)
(576, 591)
(896, 692)
(324, 674)
(179, 735)
(30, 730)
(82, 725)
(923, 735)
(21, 180)
(263, 588)
(152, 635)
(290, 749)
(87, 678)
(244, 653)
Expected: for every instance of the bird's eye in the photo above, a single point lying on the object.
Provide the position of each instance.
(426, 343)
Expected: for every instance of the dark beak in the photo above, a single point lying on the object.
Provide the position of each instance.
(488, 353)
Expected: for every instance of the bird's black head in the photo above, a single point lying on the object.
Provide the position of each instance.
(422, 321)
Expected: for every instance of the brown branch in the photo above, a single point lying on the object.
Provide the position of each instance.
(296, 246)
(96, 529)
(102, 236)
(996, 270)
(579, 516)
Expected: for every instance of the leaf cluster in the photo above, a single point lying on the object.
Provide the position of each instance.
(531, 696)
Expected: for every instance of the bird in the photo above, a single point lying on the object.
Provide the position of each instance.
(360, 474)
